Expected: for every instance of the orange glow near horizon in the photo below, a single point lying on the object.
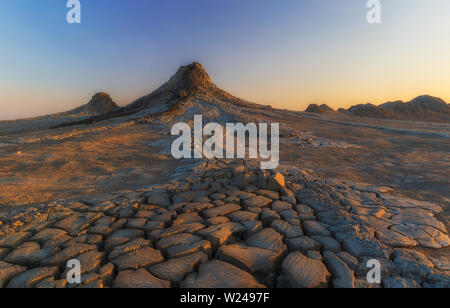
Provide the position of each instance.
(287, 55)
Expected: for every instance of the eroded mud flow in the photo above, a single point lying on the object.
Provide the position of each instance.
(229, 224)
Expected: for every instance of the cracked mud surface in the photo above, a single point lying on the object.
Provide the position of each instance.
(229, 225)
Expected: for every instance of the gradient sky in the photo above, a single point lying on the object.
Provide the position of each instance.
(287, 53)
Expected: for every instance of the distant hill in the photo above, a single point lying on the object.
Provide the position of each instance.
(323, 109)
(100, 103)
(370, 111)
(424, 108)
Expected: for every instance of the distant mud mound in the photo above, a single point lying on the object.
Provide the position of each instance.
(322, 109)
(424, 108)
(100, 103)
(370, 111)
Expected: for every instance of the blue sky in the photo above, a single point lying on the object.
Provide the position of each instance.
(285, 53)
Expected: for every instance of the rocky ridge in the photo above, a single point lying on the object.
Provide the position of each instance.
(228, 224)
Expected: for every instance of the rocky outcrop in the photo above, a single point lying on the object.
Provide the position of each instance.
(322, 109)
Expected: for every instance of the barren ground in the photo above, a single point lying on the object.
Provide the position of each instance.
(100, 162)
(99, 159)
(405, 156)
